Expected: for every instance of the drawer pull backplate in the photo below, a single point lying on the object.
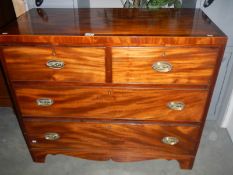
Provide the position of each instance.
(51, 136)
(170, 140)
(55, 64)
(44, 102)
(162, 66)
(176, 105)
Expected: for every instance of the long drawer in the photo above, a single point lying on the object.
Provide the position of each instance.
(82, 64)
(113, 138)
(112, 103)
(163, 65)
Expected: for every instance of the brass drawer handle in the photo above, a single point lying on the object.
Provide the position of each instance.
(176, 105)
(44, 102)
(162, 66)
(170, 140)
(55, 64)
(51, 136)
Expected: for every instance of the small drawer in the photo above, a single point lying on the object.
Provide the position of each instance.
(112, 103)
(163, 65)
(82, 64)
(113, 138)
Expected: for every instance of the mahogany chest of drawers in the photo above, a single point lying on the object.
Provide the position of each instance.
(120, 84)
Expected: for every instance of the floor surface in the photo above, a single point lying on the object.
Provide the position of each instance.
(215, 157)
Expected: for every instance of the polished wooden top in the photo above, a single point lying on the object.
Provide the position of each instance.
(118, 22)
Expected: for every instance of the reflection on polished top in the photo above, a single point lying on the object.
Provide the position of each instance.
(153, 22)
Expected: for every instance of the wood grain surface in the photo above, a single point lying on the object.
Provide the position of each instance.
(190, 65)
(148, 27)
(101, 22)
(39, 155)
(4, 95)
(100, 41)
(134, 140)
(112, 103)
(83, 64)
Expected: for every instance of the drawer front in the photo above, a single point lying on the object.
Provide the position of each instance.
(59, 64)
(163, 65)
(112, 138)
(112, 103)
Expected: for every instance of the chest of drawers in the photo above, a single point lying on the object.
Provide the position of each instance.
(120, 84)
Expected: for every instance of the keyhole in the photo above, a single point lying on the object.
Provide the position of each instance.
(53, 53)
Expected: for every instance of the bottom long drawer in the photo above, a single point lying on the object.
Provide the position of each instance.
(113, 140)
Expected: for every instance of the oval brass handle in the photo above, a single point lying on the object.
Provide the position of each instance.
(51, 136)
(55, 64)
(44, 102)
(162, 66)
(170, 140)
(176, 105)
